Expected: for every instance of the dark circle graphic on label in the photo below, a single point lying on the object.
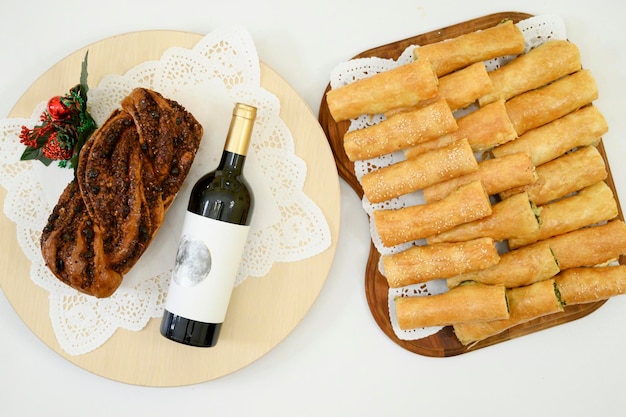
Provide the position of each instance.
(193, 262)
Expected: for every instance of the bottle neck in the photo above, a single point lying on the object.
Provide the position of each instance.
(240, 129)
(238, 138)
(233, 162)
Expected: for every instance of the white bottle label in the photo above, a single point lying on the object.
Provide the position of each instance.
(208, 257)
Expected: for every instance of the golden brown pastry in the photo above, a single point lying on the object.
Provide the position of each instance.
(463, 87)
(564, 175)
(400, 131)
(484, 128)
(515, 216)
(452, 54)
(516, 268)
(403, 86)
(467, 203)
(497, 175)
(589, 246)
(128, 175)
(472, 302)
(525, 304)
(415, 174)
(591, 205)
(431, 145)
(586, 285)
(546, 104)
(540, 66)
(424, 263)
(581, 128)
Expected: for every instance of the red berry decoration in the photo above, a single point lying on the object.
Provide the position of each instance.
(55, 150)
(64, 128)
(57, 109)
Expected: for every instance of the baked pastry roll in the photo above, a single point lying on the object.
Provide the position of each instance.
(515, 216)
(540, 66)
(497, 175)
(424, 263)
(467, 203)
(591, 205)
(453, 54)
(403, 86)
(581, 128)
(586, 285)
(463, 87)
(400, 131)
(430, 145)
(415, 174)
(484, 128)
(525, 304)
(564, 175)
(590, 246)
(546, 104)
(472, 302)
(523, 266)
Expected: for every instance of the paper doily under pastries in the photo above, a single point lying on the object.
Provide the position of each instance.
(487, 196)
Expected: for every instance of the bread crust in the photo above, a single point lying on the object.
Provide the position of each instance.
(128, 174)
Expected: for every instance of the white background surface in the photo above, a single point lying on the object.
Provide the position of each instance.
(336, 362)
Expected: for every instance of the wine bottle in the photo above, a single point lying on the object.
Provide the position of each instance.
(212, 241)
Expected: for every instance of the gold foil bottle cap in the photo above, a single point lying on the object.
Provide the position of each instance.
(240, 130)
(245, 110)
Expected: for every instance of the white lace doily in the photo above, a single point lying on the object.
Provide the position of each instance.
(287, 226)
(536, 30)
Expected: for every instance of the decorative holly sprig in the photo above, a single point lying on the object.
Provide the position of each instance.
(65, 127)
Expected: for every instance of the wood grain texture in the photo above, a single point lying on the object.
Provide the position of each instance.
(443, 343)
(263, 311)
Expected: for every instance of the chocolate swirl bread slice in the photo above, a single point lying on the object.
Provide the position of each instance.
(128, 175)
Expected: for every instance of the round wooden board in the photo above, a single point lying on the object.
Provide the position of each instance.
(443, 343)
(263, 311)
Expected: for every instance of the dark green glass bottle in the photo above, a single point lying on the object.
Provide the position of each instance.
(212, 242)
